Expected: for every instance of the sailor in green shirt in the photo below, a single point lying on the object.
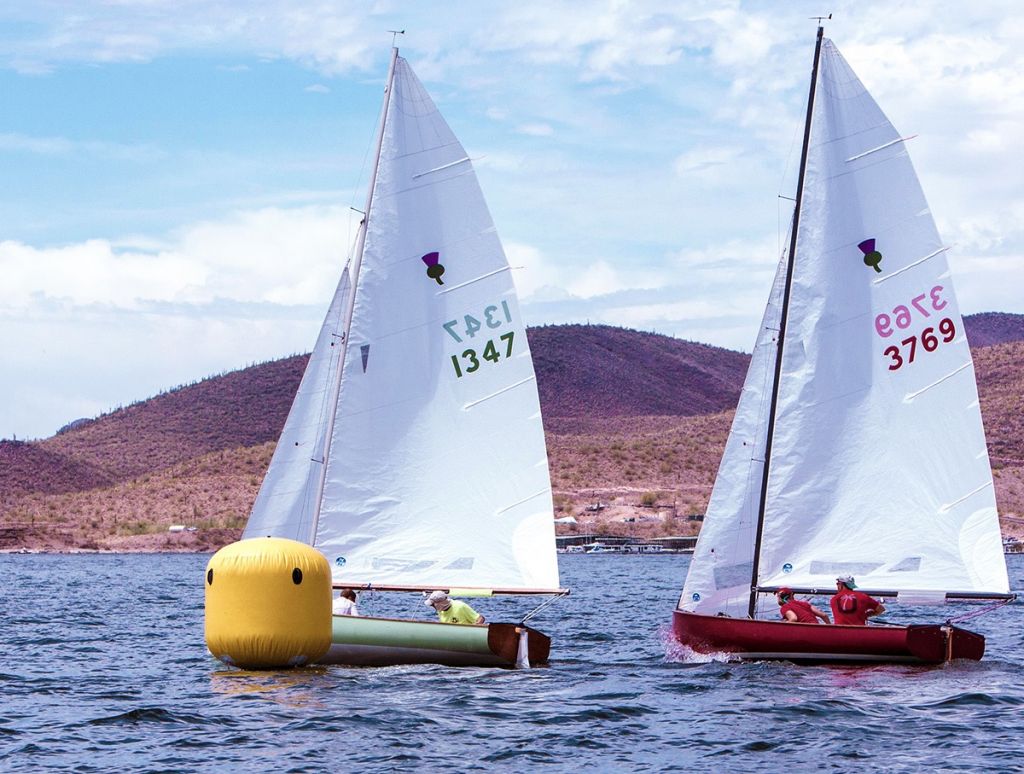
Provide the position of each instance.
(451, 610)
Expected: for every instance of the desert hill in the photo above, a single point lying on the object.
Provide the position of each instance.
(581, 370)
(632, 418)
(988, 328)
(599, 370)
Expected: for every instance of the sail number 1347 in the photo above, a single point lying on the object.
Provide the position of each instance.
(470, 360)
(494, 349)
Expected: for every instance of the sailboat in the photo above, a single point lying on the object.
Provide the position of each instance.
(857, 447)
(413, 457)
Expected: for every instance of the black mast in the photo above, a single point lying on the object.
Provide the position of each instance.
(782, 327)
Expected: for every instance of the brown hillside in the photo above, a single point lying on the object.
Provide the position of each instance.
(988, 328)
(601, 371)
(581, 370)
(241, 408)
(1000, 374)
(633, 420)
(30, 467)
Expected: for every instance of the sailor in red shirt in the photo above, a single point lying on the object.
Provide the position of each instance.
(851, 607)
(795, 610)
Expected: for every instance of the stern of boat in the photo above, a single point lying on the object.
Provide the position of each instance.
(503, 640)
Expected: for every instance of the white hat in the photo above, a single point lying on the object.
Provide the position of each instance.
(846, 580)
(436, 598)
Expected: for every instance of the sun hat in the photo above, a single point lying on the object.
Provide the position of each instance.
(436, 598)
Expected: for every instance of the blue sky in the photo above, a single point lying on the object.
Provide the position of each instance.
(178, 175)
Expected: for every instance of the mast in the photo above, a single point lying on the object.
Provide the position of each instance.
(357, 260)
(782, 328)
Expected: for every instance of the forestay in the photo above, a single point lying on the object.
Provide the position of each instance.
(437, 473)
(879, 466)
(287, 500)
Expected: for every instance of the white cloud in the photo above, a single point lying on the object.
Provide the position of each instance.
(274, 255)
(706, 163)
(101, 324)
(655, 209)
(536, 130)
(62, 146)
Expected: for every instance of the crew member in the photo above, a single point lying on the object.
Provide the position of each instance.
(851, 607)
(345, 604)
(452, 610)
(795, 610)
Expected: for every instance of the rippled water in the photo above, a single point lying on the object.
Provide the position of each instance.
(104, 668)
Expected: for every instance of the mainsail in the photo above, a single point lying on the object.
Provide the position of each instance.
(878, 465)
(437, 471)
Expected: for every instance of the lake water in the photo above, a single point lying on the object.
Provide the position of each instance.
(104, 668)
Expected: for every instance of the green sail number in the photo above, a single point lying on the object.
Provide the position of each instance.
(469, 362)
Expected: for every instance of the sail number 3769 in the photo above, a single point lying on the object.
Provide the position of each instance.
(920, 306)
(929, 342)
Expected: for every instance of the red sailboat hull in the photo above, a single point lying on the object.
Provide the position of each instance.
(745, 638)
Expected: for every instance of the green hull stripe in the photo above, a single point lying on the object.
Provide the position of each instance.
(424, 635)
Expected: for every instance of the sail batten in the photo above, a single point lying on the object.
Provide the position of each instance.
(911, 265)
(477, 279)
(883, 146)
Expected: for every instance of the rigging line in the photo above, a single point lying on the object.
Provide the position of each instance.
(791, 263)
(880, 147)
(370, 145)
(911, 395)
(919, 261)
(778, 205)
(355, 263)
(542, 605)
(982, 611)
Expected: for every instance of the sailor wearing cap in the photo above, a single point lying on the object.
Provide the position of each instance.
(851, 607)
(452, 610)
(795, 610)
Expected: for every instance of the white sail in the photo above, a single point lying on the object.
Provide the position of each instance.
(437, 472)
(723, 561)
(879, 466)
(286, 503)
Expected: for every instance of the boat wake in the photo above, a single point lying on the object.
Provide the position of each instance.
(677, 653)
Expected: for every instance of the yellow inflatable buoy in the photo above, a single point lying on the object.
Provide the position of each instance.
(268, 604)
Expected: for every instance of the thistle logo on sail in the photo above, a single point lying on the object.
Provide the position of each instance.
(871, 256)
(434, 268)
